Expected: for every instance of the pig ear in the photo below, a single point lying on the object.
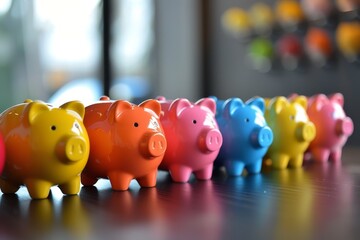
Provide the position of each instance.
(258, 102)
(302, 100)
(214, 98)
(292, 96)
(153, 105)
(311, 100)
(338, 98)
(267, 102)
(178, 105)
(104, 98)
(317, 101)
(231, 105)
(218, 102)
(161, 98)
(32, 110)
(76, 107)
(278, 103)
(208, 103)
(117, 108)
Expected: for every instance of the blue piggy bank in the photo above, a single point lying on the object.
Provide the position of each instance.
(246, 135)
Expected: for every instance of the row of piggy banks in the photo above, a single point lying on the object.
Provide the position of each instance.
(42, 146)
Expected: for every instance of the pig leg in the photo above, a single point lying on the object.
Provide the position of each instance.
(254, 167)
(37, 188)
(71, 187)
(234, 167)
(87, 180)
(8, 187)
(180, 173)
(205, 173)
(320, 154)
(336, 155)
(297, 161)
(148, 180)
(307, 155)
(120, 181)
(280, 161)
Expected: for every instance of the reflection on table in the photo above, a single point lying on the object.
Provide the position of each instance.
(317, 201)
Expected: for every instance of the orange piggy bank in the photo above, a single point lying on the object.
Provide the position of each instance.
(127, 142)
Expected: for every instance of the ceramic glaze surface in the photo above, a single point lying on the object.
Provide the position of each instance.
(127, 142)
(45, 146)
(246, 135)
(193, 136)
(293, 131)
(2, 154)
(333, 127)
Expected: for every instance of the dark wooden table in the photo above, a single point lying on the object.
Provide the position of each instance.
(318, 201)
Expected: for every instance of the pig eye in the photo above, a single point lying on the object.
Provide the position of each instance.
(194, 121)
(136, 124)
(53, 127)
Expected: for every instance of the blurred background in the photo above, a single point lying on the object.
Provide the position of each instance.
(58, 51)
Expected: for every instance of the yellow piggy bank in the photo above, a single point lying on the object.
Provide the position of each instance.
(45, 146)
(293, 131)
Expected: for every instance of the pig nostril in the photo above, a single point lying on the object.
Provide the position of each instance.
(213, 141)
(262, 137)
(75, 149)
(155, 145)
(81, 149)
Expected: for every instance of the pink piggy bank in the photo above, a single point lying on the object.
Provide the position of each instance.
(126, 142)
(333, 127)
(45, 146)
(193, 136)
(2, 154)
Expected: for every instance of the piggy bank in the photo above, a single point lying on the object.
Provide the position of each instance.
(193, 136)
(2, 154)
(333, 127)
(127, 142)
(45, 146)
(293, 131)
(246, 135)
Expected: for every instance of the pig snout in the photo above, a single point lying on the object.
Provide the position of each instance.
(344, 126)
(305, 131)
(72, 149)
(262, 137)
(211, 140)
(154, 145)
